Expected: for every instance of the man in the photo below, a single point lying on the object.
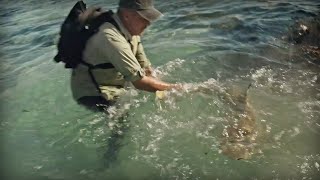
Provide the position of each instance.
(120, 46)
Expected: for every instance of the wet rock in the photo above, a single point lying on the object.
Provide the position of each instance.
(305, 34)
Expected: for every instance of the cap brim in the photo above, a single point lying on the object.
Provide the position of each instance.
(151, 14)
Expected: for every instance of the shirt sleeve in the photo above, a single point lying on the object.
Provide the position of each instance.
(121, 56)
(141, 56)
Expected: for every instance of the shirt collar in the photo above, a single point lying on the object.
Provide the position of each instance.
(123, 29)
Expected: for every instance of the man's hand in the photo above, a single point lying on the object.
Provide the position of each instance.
(160, 95)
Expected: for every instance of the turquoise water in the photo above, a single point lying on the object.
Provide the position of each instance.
(204, 43)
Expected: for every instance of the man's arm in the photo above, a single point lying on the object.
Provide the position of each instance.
(151, 84)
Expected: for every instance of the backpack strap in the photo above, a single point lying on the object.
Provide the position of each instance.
(94, 81)
(92, 67)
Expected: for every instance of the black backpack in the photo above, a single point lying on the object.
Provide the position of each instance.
(77, 28)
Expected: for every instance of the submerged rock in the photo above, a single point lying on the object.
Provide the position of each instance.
(305, 34)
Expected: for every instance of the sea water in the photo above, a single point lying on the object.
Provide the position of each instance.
(210, 44)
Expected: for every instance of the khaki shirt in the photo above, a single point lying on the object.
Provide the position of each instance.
(109, 45)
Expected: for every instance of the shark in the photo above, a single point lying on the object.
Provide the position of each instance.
(239, 136)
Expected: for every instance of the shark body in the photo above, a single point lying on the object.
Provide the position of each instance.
(239, 137)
